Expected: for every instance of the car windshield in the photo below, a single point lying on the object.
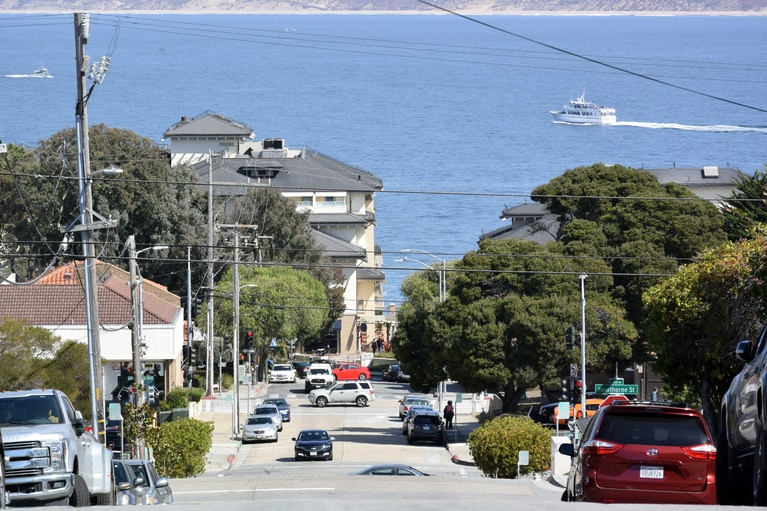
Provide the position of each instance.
(33, 409)
(318, 370)
(266, 410)
(140, 471)
(313, 436)
(668, 430)
(418, 402)
(282, 367)
(276, 402)
(253, 421)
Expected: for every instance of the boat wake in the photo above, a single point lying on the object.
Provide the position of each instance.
(715, 128)
(26, 76)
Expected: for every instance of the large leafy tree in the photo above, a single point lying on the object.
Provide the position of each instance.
(156, 203)
(502, 327)
(696, 318)
(276, 302)
(745, 206)
(644, 229)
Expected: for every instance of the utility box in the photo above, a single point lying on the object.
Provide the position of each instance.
(560, 463)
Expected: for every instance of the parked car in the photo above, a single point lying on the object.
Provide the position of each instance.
(351, 372)
(156, 489)
(344, 392)
(411, 400)
(425, 425)
(271, 411)
(282, 373)
(412, 411)
(643, 453)
(129, 489)
(742, 445)
(394, 469)
(301, 368)
(282, 405)
(313, 444)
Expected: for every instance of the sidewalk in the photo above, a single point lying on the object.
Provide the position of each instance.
(218, 410)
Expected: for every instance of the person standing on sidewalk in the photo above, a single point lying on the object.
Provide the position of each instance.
(448, 413)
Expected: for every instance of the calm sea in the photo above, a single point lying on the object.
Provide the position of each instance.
(453, 115)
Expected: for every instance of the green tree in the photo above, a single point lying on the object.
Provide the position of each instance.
(25, 350)
(69, 371)
(151, 200)
(647, 229)
(275, 302)
(745, 206)
(502, 326)
(285, 236)
(696, 318)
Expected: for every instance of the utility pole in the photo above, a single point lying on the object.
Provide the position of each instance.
(86, 225)
(209, 346)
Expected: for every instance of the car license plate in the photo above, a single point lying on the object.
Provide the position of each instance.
(651, 472)
(426, 428)
(259, 435)
(312, 454)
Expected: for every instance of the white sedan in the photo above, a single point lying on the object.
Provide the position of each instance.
(282, 373)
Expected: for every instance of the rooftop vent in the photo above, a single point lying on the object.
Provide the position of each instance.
(711, 172)
(274, 143)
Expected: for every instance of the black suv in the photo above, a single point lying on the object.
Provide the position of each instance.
(741, 461)
(425, 425)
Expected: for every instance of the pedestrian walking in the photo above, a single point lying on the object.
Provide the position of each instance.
(448, 413)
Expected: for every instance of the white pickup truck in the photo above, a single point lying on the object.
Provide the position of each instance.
(49, 457)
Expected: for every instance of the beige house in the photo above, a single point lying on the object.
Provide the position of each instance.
(340, 199)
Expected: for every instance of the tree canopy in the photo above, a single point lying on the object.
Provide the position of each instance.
(156, 203)
(696, 318)
(502, 327)
(745, 206)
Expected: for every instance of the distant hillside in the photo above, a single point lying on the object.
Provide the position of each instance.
(752, 7)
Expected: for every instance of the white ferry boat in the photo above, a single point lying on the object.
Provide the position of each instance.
(580, 111)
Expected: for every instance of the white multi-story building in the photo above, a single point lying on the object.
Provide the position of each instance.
(340, 199)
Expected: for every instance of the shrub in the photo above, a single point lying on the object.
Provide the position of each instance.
(496, 444)
(195, 394)
(227, 381)
(176, 398)
(180, 447)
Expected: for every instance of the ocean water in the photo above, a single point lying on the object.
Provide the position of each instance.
(451, 113)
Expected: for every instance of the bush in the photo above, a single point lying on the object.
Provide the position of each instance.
(227, 381)
(176, 398)
(180, 447)
(496, 444)
(195, 394)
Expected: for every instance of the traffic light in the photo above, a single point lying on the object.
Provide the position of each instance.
(565, 388)
(249, 339)
(192, 357)
(578, 390)
(569, 338)
(187, 351)
(227, 342)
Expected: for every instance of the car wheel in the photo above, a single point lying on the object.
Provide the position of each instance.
(298, 458)
(760, 466)
(80, 496)
(321, 401)
(330, 458)
(362, 377)
(361, 401)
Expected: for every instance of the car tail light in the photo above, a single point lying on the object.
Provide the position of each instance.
(701, 452)
(600, 447)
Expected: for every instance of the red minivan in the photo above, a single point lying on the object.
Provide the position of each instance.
(653, 453)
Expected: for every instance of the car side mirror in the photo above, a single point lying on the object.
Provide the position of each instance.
(124, 486)
(567, 449)
(744, 351)
(139, 481)
(79, 426)
(162, 482)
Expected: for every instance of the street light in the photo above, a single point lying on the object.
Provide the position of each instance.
(236, 356)
(442, 283)
(442, 296)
